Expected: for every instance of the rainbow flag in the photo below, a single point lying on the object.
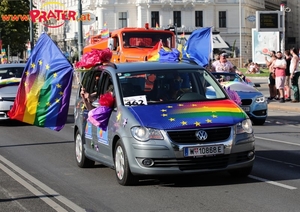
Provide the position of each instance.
(153, 54)
(104, 32)
(44, 92)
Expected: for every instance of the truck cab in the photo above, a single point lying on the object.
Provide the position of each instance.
(132, 44)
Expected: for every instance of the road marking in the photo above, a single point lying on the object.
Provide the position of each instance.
(272, 182)
(41, 185)
(278, 161)
(284, 142)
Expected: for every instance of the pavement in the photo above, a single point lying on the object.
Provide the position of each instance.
(262, 85)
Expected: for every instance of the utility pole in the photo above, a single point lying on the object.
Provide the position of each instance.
(282, 42)
(31, 38)
(80, 37)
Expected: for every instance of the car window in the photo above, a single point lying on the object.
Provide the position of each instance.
(161, 86)
(11, 72)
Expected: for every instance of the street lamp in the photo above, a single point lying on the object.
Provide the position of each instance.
(80, 37)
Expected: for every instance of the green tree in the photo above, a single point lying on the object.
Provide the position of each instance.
(14, 33)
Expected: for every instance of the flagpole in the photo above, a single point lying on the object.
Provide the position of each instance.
(240, 17)
(80, 37)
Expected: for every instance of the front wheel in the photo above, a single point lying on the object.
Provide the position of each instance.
(122, 170)
(81, 160)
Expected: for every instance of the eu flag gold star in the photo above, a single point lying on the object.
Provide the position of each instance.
(183, 123)
(163, 110)
(32, 65)
(171, 119)
(61, 93)
(214, 116)
(208, 121)
(197, 124)
(55, 75)
(164, 115)
(57, 100)
(40, 62)
(47, 67)
(58, 85)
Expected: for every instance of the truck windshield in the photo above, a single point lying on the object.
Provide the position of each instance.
(146, 39)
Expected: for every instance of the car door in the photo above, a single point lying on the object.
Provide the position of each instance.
(101, 139)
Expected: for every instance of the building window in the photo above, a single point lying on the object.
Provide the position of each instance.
(122, 19)
(154, 18)
(177, 18)
(198, 18)
(222, 19)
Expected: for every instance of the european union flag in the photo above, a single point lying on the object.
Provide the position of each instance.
(44, 92)
(199, 46)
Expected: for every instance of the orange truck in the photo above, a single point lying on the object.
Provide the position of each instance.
(132, 44)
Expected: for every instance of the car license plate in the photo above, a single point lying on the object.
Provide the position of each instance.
(204, 150)
(246, 109)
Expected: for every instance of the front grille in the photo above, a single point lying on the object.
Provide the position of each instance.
(260, 112)
(211, 162)
(246, 101)
(188, 136)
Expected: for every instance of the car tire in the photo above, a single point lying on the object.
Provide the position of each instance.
(240, 173)
(258, 121)
(81, 160)
(122, 169)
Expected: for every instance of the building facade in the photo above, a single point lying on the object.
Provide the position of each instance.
(232, 19)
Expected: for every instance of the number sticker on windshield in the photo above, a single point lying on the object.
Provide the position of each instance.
(135, 100)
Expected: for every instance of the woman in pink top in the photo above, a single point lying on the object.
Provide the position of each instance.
(279, 65)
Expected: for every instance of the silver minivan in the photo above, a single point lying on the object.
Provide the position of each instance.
(164, 122)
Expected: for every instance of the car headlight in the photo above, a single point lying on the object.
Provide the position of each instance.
(260, 99)
(244, 127)
(145, 134)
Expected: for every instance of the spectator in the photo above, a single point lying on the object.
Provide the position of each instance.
(295, 74)
(222, 65)
(279, 65)
(287, 84)
(271, 80)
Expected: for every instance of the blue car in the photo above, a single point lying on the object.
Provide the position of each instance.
(253, 101)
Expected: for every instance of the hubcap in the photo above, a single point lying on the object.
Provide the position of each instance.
(120, 162)
(78, 148)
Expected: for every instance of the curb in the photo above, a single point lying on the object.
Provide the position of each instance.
(291, 108)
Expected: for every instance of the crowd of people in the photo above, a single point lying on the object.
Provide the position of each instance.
(284, 75)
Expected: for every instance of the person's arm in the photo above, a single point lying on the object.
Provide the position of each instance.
(86, 99)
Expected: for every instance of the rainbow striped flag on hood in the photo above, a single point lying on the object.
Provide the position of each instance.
(44, 92)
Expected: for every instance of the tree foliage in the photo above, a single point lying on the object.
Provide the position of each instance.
(14, 33)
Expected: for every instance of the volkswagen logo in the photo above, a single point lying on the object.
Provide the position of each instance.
(201, 135)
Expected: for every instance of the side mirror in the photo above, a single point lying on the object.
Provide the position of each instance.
(110, 43)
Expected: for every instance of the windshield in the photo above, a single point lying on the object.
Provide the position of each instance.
(11, 72)
(146, 39)
(223, 77)
(163, 86)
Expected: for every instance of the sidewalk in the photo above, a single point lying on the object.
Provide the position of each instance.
(273, 104)
(287, 106)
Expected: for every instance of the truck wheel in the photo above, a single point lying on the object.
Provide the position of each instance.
(240, 173)
(122, 170)
(81, 160)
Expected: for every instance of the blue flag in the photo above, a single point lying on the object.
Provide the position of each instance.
(44, 92)
(199, 46)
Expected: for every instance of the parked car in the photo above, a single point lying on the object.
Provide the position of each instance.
(160, 127)
(10, 77)
(254, 102)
